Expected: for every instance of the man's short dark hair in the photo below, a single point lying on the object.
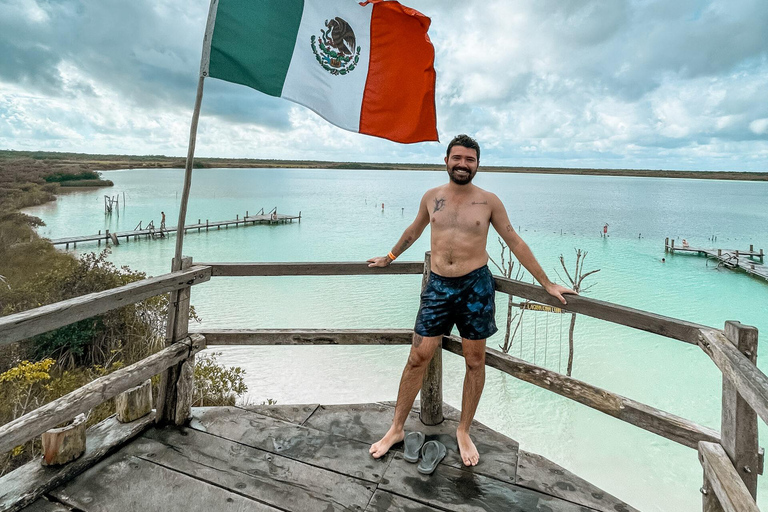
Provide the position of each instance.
(466, 141)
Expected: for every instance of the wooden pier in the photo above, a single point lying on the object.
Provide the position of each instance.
(730, 258)
(153, 233)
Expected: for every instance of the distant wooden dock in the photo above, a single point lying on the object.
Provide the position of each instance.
(729, 258)
(153, 233)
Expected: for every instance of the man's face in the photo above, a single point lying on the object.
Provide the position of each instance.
(461, 163)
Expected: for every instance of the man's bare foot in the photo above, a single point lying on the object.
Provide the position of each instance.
(467, 449)
(379, 449)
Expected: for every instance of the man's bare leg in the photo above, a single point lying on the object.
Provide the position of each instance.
(422, 350)
(474, 381)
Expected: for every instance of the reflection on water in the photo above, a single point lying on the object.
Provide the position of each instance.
(342, 220)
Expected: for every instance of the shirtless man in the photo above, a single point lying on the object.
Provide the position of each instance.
(460, 287)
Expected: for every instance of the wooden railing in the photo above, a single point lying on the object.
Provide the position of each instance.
(731, 458)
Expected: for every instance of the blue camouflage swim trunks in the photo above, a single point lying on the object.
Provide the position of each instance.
(466, 301)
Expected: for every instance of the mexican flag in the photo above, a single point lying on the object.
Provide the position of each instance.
(367, 67)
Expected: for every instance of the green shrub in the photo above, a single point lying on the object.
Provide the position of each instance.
(61, 176)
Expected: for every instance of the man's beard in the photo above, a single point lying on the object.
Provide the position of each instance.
(463, 180)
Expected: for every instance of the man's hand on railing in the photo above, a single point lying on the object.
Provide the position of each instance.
(381, 261)
(558, 291)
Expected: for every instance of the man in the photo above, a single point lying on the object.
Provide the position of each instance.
(460, 286)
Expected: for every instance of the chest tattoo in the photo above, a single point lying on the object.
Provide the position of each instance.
(439, 204)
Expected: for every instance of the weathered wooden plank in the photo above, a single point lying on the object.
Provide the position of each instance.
(104, 488)
(464, 490)
(94, 393)
(368, 422)
(750, 382)
(326, 268)
(308, 336)
(47, 318)
(27, 483)
(269, 478)
(297, 414)
(643, 320)
(739, 420)
(301, 443)
(540, 474)
(384, 501)
(644, 416)
(726, 483)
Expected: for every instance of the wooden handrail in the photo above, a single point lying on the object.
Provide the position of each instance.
(643, 320)
(325, 268)
(94, 393)
(307, 336)
(644, 416)
(750, 382)
(664, 424)
(688, 332)
(731, 493)
(19, 326)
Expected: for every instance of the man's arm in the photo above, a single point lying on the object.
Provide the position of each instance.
(520, 249)
(410, 235)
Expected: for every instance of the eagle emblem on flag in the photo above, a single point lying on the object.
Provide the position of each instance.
(335, 49)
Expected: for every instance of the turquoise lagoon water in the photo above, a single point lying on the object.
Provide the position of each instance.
(342, 220)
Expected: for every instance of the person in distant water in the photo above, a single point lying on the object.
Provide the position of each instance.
(685, 244)
(274, 215)
(162, 221)
(605, 230)
(460, 287)
(663, 260)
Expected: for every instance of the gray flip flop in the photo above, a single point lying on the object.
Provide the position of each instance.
(431, 454)
(413, 442)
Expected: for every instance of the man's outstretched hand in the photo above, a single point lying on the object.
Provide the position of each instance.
(381, 261)
(556, 290)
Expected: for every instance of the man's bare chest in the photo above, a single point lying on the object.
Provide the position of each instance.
(471, 215)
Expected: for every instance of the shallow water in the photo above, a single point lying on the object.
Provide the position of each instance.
(342, 220)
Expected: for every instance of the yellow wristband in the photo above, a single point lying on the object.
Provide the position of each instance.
(391, 256)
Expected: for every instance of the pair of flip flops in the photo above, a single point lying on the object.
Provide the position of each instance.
(432, 452)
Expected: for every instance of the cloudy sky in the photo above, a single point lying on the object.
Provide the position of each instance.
(659, 84)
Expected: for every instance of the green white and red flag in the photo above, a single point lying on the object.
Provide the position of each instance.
(367, 67)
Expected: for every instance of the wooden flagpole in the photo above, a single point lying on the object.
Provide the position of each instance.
(176, 265)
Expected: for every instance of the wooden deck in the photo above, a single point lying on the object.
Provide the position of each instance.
(315, 457)
(157, 233)
(729, 258)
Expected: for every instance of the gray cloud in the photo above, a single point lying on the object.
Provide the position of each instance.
(541, 82)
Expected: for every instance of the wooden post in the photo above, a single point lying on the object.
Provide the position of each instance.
(134, 403)
(719, 253)
(61, 445)
(751, 248)
(739, 420)
(206, 225)
(174, 400)
(666, 244)
(431, 412)
(672, 245)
